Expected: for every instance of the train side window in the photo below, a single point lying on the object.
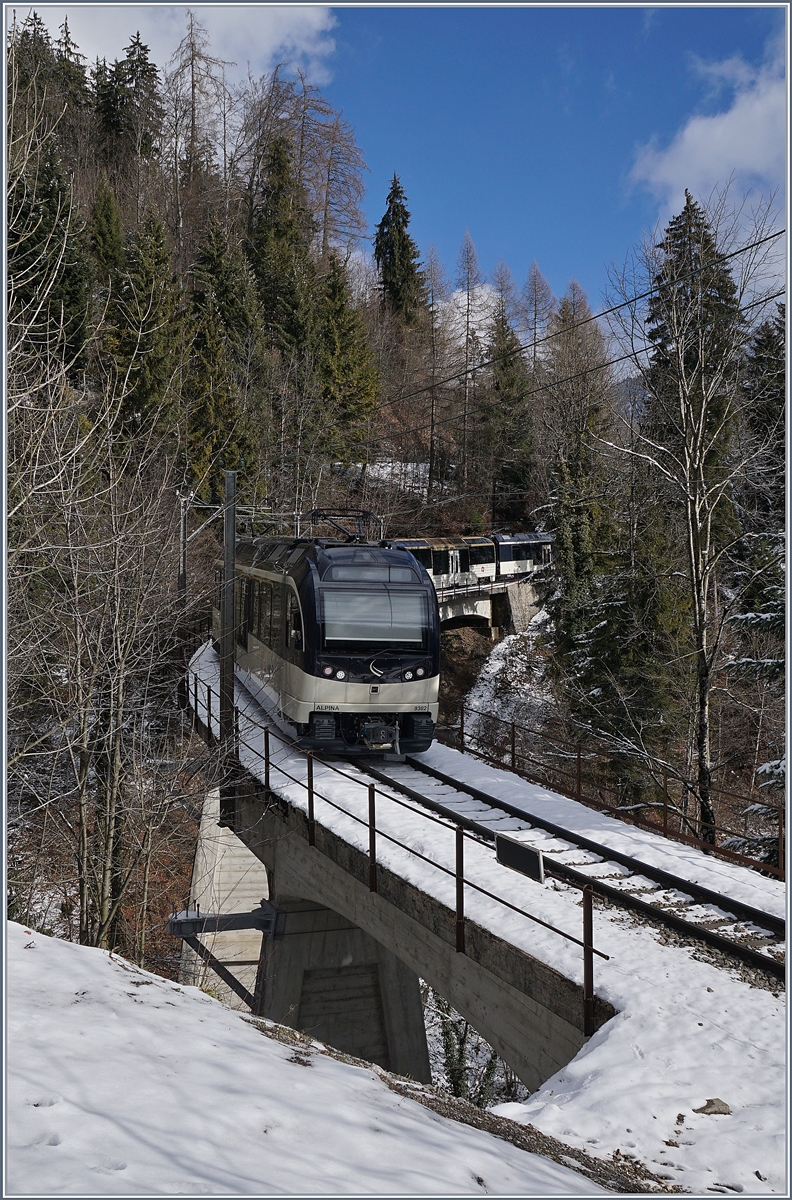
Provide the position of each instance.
(439, 562)
(294, 622)
(277, 617)
(250, 595)
(265, 613)
(241, 625)
(255, 616)
(505, 552)
(424, 556)
(479, 555)
(464, 561)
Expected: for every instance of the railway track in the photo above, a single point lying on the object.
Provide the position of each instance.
(691, 911)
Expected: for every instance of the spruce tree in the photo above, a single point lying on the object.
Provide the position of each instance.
(696, 331)
(397, 257)
(216, 440)
(107, 235)
(507, 419)
(280, 253)
(346, 365)
(147, 321)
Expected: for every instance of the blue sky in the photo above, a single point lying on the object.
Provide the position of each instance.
(561, 134)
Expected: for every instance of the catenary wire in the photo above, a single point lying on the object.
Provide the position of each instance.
(555, 383)
(570, 328)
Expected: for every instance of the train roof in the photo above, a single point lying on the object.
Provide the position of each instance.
(523, 537)
(323, 552)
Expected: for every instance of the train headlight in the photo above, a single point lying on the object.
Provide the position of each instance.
(407, 675)
(340, 674)
(420, 672)
(328, 670)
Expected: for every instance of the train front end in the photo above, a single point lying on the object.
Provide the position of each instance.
(372, 652)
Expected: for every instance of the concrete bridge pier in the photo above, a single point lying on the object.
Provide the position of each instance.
(333, 981)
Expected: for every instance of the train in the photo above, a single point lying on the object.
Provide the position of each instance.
(464, 562)
(340, 639)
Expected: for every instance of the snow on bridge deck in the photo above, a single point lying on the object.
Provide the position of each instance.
(684, 1031)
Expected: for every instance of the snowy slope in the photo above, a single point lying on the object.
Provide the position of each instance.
(120, 1083)
(685, 1031)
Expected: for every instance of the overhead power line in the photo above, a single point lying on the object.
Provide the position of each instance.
(569, 328)
(555, 383)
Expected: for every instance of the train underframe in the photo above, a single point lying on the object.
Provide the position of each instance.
(367, 733)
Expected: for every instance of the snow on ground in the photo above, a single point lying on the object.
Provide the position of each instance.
(120, 1083)
(685, 1031)
(511, 682)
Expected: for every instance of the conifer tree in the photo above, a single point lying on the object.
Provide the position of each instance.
(107, 236)
(346, 364)
(397, 257)
(508, 423)
(216, 440)
(146, 317)
(40, 208)
(281, 255)
(695, 327)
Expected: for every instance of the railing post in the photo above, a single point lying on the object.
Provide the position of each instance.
(372, 839)
(665, 803)
(266, 760)
(462, 729)
(235, 734)
(513, 747)
(460, 890)
(209, 730)
(588, 962)
(311, 821)
(195, 702)
(578, 792)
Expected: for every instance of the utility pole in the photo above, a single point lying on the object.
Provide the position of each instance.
(227, 746)
(185, 496)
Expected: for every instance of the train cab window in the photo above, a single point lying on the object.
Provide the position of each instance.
(362, 621)
(439, 562)
(481, 555)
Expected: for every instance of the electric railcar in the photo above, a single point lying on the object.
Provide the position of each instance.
(466, 561)
(340, 641)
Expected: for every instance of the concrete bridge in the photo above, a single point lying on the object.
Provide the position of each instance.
(347, 969)
(501, 606)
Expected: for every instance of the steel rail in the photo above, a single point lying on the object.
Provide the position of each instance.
(614, 895)
(746, 912)
(559, 870)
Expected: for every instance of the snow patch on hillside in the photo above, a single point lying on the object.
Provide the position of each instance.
(121, 1083)
(512, 682)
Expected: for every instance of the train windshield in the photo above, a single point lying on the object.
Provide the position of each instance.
(354, 621)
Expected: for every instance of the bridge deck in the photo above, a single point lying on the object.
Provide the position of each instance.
(684, 1030)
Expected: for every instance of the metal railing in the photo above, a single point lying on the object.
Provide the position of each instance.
(461, 882)
(569, 773)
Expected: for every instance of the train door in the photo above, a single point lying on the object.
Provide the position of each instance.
(454, 566)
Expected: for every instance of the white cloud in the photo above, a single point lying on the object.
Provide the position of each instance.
(747, 142)
(261, 35)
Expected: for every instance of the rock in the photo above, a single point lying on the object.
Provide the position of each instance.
(714, 1107)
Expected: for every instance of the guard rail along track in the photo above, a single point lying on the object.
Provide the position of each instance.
(481, 815)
